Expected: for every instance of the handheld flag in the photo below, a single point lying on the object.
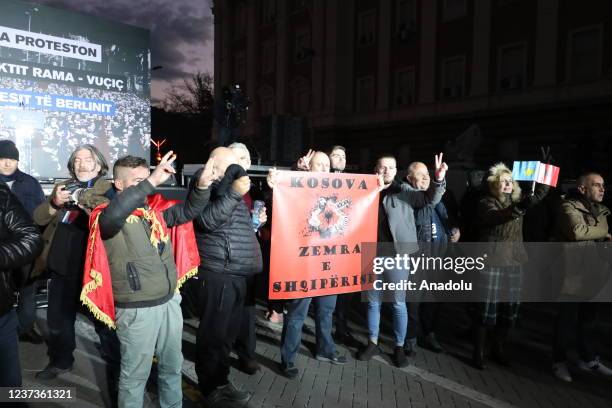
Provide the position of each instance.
(548, 174)
(525, 170)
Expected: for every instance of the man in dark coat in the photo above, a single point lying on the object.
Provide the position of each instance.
(20, 243)
(433, 234)
(582, 221)
(30, 194)
(230, 255)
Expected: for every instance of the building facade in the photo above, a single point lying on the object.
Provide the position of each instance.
(410, 76)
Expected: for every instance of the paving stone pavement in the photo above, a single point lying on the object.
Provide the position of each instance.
(431, 380)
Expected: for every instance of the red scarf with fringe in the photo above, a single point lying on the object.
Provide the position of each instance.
(97, 292)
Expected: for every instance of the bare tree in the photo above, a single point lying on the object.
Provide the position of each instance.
(193, 97)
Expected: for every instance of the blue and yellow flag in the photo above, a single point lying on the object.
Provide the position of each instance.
(525, 170)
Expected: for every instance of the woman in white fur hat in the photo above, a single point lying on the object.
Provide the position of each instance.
(500, 218)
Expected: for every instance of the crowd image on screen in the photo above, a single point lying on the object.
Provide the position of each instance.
(128, 131)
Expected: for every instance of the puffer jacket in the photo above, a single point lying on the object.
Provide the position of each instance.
(20, 243)
(225, 236)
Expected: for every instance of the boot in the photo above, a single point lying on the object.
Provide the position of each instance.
(480, 337)
(497, 352)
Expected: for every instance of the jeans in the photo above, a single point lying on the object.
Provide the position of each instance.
(144, 332)
(10, 369)
(398, 304)
(297, 310)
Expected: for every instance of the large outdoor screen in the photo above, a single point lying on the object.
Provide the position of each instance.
(67, 79)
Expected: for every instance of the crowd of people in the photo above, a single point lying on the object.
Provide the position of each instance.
(60, 132)
(124, 252)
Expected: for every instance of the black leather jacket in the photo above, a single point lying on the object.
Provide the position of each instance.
(20, 244)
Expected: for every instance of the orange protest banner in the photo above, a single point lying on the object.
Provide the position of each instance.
(320, 221)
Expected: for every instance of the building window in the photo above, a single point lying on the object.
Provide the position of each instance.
(406, 15)
(453, 77)
(367, 28)
(303, 50)
(268, 11)
(241, 19)
(365, 94)
(298, 5)
(301, 101)
(240, 67)
(512, 67)
(585, 48)
(267, 105)
(404, 87)
(268, 58)
(453, 9)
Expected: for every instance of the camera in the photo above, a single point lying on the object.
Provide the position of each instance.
(76, 189)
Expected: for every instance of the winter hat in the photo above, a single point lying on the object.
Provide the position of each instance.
(8, 150)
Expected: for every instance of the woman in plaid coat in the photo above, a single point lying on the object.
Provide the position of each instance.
(500, 225)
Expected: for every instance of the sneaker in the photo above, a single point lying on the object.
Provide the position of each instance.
(561, 371)
(274, 318)
(431, 343)
(399, 357)
(368, 352)
(51, 372)
(226, 393)
(289, 370)
(334, 360)
(595, 366)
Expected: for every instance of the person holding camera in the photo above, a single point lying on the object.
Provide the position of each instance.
(65, 216)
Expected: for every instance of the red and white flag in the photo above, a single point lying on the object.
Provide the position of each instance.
(548, 174)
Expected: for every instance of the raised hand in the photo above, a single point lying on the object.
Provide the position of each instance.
(441, 167)
(272, 179)
(241, 185)
(304, 161)
(164, 170)
(380, 182)
(60, 196)
(208, 174)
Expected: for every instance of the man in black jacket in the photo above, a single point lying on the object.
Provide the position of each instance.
(230, 254)
(20, 243)
(30, 194)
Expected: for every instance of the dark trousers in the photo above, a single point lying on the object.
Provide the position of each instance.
(343, 308)
(247, 340)
(10, 370)
(579, 318)
(26, 307)
(64, 304)
(223, 302)
(428, 317)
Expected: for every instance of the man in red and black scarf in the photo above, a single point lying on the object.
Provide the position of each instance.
(141, 248)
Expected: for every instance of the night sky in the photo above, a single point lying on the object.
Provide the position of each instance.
(181, 33)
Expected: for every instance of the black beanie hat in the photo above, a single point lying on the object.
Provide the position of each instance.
(8, 150)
